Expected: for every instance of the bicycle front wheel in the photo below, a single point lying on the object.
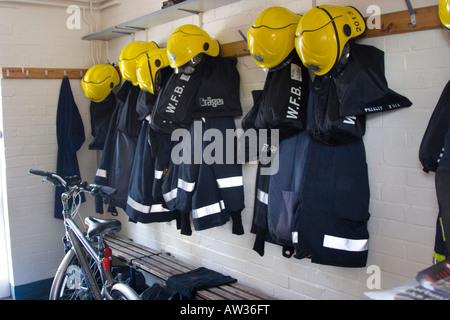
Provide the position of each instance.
(121, 291)
(70, 281)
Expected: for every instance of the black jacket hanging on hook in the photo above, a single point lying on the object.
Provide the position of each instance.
(101, 113)
(434, 156)
(70, 137)
(143, 204)
(442, 180)
(117, 158)
(432, 146)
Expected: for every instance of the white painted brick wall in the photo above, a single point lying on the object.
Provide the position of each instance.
(403, 205)
(35, 36)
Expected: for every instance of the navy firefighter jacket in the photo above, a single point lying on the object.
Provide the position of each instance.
(70, 137)
(116, 162)
(210, 193)
(144, 202)
(204, 101)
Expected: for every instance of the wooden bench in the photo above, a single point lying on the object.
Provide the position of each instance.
(128, 250)
(163, 265)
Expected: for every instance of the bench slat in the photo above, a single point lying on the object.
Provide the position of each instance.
(252, 293)
(132, 245)
(220, 292)
(127, 249)
(154, 267)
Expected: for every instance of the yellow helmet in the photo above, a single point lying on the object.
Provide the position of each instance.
(129, 57)
(322, 34)
(444, 12)
(188, 41)
(148, 66)
(271, 37)
(98, 81)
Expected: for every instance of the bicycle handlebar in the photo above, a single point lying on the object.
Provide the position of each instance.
(41, 172)
(52, 177)
(94, 189)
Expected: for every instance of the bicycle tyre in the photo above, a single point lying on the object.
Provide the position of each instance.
(59, 276)
(70, 282)
(122, 291)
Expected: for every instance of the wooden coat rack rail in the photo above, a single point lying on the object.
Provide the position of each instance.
(41, 73)
(390, 23)
(426, 18)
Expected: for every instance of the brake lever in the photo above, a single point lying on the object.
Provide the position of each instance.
(53, 181)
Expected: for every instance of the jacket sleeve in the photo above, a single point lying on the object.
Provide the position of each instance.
(230, 183)
(228, 173)
(101, 176)
(188, 171)
(161, 148)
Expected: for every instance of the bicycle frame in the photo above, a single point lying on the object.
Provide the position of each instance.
(78, 240)
(80, 245)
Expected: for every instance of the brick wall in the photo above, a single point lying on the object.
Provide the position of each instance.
(403, 204)
(36, 36)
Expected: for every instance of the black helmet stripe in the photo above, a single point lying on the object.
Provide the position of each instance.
(150, 70)
(336, 32)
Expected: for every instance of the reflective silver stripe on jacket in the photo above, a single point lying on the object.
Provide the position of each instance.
(262, 197)
(158, 174)
(101, 173)
(294, 235)
(186, 186)
(170, 195)
(208, 210)
(230, 182)
(345, 244)
(145, 209)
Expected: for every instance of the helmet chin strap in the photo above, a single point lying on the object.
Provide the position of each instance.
(189, 67)
(157, 85)
(340, 65)
(345, 54)
(196, 60)
(284, 63)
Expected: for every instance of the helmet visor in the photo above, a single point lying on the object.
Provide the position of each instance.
(147, 69)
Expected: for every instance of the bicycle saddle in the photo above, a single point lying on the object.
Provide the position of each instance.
(98, 227)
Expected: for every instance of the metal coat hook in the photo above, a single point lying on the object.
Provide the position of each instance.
(242, 35)
(412, 13)
(245, 39)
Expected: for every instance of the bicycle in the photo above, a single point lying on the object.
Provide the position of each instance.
(85, 273)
